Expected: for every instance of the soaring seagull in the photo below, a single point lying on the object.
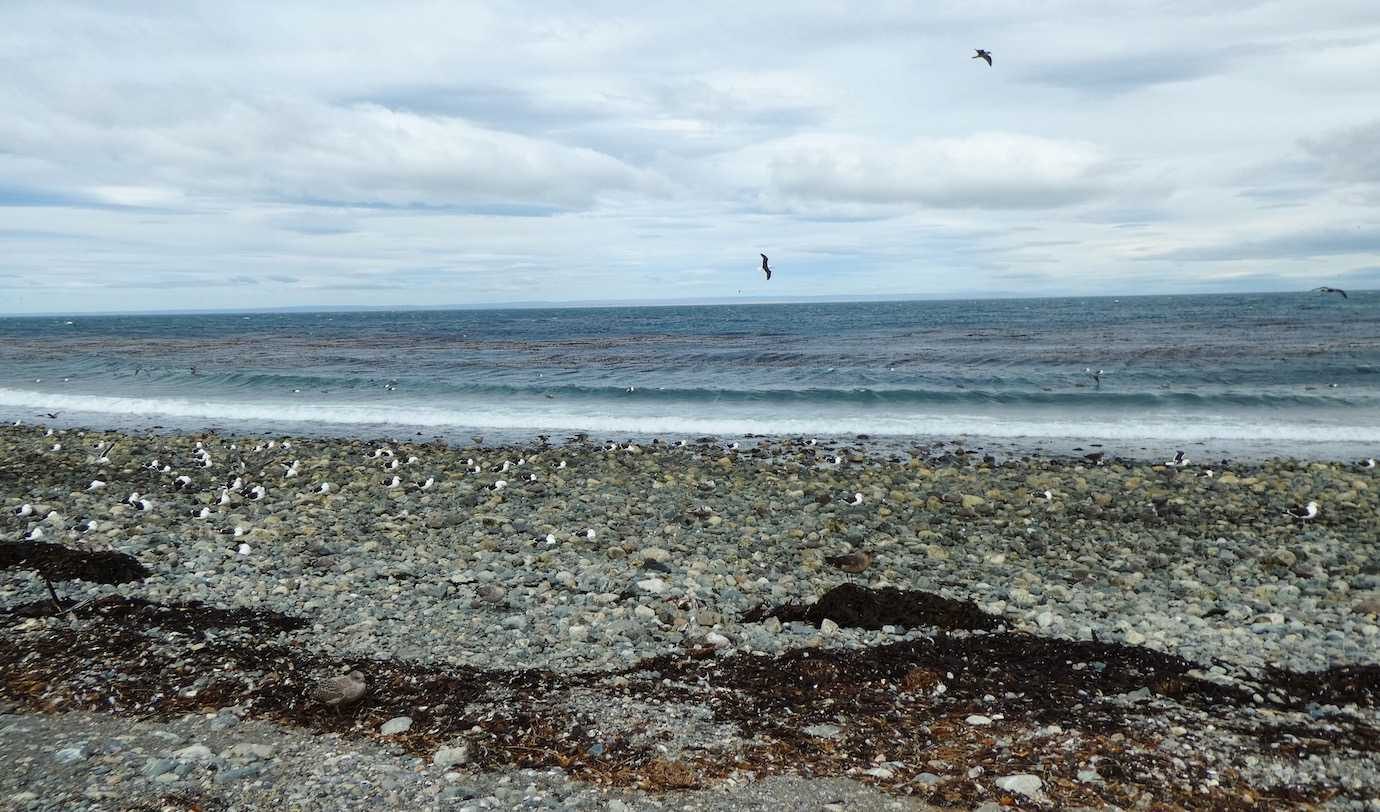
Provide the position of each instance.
(981, 54)
(1326, 289)
(766, 269)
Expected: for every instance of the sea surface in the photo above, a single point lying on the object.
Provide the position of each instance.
(1287, 374)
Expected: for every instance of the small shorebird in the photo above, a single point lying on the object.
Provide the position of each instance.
(1179, 460)
(984, 55)
(766, 269)
(1326, 290)
(490, 593)
(346, 689)
(854, 563)
(1304, 513)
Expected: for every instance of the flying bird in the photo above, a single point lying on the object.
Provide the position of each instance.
(981, 54)
(766, 269)
(1325, 289)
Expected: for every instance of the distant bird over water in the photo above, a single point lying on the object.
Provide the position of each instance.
(766, 269)
(981, 54)
(1325, 290)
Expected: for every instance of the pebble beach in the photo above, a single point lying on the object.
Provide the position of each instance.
(592, 623)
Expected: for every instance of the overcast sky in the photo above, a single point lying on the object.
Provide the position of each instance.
(183, 154)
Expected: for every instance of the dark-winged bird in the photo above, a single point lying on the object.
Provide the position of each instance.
(1326, 289)
(981, 54)
(766, 269)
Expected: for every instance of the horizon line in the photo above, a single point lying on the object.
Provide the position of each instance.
(579, 304)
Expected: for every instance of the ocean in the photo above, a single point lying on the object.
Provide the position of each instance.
(1269, 374)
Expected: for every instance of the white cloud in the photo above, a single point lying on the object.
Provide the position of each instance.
(460, 152)
(986, 171)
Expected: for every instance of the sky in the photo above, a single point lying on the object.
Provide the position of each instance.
(168, 154)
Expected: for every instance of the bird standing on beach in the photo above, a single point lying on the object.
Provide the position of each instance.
(1369, 462)
(337, 692)
(984, 55)
(766, 269)
(1096, 376)
(1325, 290)
(853, 563)
(1304, 513)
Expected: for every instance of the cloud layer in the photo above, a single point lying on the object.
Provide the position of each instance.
(160, 155)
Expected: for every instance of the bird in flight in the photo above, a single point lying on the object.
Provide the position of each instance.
(981, 54)
(766, 269)
(1326, 289)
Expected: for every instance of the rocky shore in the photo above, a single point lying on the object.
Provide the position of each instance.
(602, 623)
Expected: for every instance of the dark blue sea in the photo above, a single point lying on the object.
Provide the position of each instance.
(1269, 374)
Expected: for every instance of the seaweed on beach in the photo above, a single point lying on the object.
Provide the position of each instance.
(54, 562)
(191, 617)
(1056, 704)
(853, 606)
(58, 563)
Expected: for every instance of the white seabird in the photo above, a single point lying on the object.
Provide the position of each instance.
(244, 549)
(290, 470)
(426, 486)
(95, 485)
(392, 482)
(550, 539)
(500, 485)
(89, 526)
(144, 505)
(56, 447)
(182, 483)
(412, 460)
(561, 465)
(1179, 460)
(257, 492)
(856, 500)
(1367, 463)
(224, 497)
(204, 513)
(325, 488)
(34, 534)
(589, 534)
(1304, 513)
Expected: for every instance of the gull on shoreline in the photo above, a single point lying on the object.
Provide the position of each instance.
(1304, 513)
(854, 563)
(337, 692)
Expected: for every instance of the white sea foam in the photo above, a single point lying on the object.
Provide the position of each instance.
(700, 418)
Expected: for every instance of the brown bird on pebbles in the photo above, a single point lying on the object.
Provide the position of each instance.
(491, 593)
(854, 563)
(337, 692)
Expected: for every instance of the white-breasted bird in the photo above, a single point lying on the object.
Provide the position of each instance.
(1304, 513)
